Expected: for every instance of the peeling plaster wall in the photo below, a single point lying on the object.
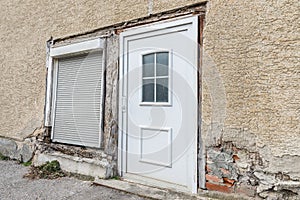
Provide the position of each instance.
(251, 74)
(254, 50)
(86, 160)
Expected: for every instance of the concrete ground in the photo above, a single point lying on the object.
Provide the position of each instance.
(14, 186)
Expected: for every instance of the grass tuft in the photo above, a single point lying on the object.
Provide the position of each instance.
(2, 157)
(49, 170)
(26, 164)
(52, 170)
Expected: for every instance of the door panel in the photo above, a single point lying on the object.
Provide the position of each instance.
(162, 101)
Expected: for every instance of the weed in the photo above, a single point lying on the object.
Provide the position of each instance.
(49, 170)
(2, 157)
(26, 164)
(116, 178)
(52, 170)
(50, 167)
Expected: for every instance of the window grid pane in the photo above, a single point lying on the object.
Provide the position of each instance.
(148, 65)
(162, 90)
(162, 63)
(148, 90)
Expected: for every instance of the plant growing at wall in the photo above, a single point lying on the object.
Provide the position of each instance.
(2, 157)
(26, 164)
(49, 170)
(52, 170)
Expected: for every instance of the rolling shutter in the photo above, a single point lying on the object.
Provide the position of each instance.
(78, 100)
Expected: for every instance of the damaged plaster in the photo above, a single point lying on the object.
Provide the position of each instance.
(250, 111)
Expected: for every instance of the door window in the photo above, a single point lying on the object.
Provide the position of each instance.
(155, 77)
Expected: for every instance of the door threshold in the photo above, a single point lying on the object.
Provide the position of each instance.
(146, 181)
(147, 191)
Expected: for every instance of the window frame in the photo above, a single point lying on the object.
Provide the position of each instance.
(69, 50)
(141, 78)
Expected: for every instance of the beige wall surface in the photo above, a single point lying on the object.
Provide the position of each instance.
(251, 73)
(251, 66)
(25, 26)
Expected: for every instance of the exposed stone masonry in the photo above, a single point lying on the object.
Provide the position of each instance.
(233, 170)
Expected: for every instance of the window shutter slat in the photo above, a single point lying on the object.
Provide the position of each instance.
(78, 99)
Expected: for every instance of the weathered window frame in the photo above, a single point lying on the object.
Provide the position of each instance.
(54, 53)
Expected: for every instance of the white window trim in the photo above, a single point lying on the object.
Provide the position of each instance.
(78, 48)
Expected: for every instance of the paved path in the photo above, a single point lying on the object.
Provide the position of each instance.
(14, 186)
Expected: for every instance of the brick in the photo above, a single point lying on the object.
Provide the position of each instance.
(228, 182)
(218, 187)
(213, 178)
(235, 157)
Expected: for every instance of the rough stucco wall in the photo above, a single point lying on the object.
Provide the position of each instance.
(26, 26)
(157, 6)
(260, 71)
(251, 68)
(24, 29)
(251, 76)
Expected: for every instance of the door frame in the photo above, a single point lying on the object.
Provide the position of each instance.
(166, 26)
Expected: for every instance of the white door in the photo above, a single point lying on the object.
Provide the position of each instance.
(159, 85)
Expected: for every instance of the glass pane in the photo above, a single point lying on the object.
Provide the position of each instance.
(148, 65)
(162, 63)
(162, 90)
(148, 90)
